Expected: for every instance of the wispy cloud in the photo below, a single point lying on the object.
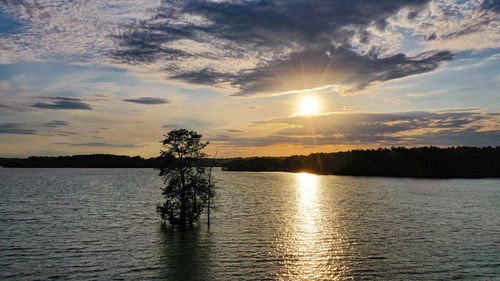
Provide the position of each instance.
(293, 46)
(63, 103)
(97, 144)
(16, 128)
(65, 133)
(147, 100)
(56, 123)
(470, 25)
(342, 67)
(94, 63)
(378, 129)
(187, 122)
(313, 54)
(425, 94)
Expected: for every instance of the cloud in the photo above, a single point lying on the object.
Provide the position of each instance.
(314, 68)
(188, 123)
(452, 127)
(146, 100)
(172, 126)
(493, 5)
(292, 46)
(378, 123)
(448, 138)
(56, 123)
(65, 133)
(70, 31)
(456, 25)
(395, 101)
(220, 137)
(253, 47)
(97, 144)
(63, 103)
(279, 22)
(425, 94)
(349, 107)
(15, 128)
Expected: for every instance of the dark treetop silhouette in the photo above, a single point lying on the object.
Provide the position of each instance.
(419, 162)
(93, 161)
(188, 188)
(422, 162)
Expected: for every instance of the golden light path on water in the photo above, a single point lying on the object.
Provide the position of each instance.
(307, 222)
(312, 251)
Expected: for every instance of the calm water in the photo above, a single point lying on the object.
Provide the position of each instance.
(101, 224)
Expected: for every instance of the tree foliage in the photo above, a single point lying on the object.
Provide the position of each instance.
(81, 161)
(420, 162)
(188, 188)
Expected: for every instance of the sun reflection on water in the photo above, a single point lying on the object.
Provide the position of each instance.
(313, 243)
(307, 185)
(306, 249)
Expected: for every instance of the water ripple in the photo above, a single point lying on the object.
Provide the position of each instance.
(89, 224)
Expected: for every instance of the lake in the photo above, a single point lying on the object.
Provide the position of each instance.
(89, 224)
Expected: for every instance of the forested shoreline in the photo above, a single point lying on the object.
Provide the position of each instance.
(93, 161)
(420, 162)
(81, 161)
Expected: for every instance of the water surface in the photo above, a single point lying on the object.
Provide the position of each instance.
(92, 224)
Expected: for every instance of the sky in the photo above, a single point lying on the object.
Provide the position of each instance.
(255, 78)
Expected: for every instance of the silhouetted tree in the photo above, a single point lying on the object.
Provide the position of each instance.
(187, 187)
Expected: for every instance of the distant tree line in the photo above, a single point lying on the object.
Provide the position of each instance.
(421, 162)
(90, 161)
(81, 161)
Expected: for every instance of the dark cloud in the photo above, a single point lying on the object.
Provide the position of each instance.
(218, 138)
(264, 22)
(334, 66)
(469, 137)
(63, 103)
(444, 138)
(493, 5)
(376, 123)
(56, 123)
(62, 98)
(65, 133)
(96, 144)
(299, 44)
(15, 128)
(234, 130)
(147, 100)
(205, 76)
(405, 128)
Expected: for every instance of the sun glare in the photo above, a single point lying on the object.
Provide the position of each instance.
(309, 106)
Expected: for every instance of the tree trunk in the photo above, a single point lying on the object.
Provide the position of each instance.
(182, 217)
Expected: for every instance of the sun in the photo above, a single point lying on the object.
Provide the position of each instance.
(309, 106)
